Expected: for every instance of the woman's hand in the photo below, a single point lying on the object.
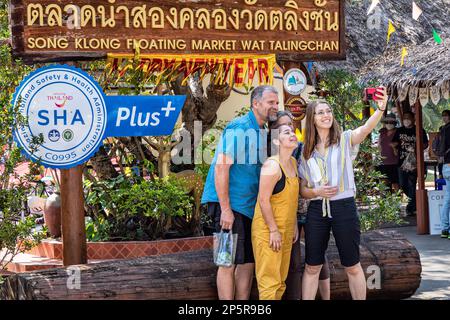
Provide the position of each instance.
(382, 98)
(360, 133)
(326, 191)
(275, 240)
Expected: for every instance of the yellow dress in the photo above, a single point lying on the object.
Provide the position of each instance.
(272, 267)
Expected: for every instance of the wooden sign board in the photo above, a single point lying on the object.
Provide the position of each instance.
(295, 30)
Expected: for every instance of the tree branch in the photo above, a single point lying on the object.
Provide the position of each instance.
(196, 88)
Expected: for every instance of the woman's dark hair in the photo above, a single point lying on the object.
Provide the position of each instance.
(273, 125)
(280, 114)
(446, 113)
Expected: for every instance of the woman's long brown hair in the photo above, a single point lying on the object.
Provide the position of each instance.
(311, 135)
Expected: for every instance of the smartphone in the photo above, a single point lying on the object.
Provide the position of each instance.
(369, 94)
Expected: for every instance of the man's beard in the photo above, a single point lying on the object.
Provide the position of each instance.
(271, 117)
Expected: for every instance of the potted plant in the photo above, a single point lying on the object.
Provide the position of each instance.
(52, 210)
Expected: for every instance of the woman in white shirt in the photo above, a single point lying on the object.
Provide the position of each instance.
(327, 177)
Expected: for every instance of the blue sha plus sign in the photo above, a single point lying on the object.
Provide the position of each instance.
(168, 109)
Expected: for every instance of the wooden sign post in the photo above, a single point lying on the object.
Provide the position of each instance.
(72, 216)
(67, 108)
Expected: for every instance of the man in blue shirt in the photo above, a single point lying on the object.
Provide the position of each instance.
(232, 184)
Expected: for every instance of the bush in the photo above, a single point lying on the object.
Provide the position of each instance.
(16, 234)
(135, 209)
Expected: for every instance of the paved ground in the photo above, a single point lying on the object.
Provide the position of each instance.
(435, 258)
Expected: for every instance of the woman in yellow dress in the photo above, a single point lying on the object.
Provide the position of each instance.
(274, 226)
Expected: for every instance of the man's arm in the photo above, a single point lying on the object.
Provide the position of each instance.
(221, 182)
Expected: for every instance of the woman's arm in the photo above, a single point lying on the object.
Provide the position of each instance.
(359, 134)
(323, 191)
(270, 174)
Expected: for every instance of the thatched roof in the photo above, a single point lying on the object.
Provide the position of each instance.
(426, 64)
(364, 43)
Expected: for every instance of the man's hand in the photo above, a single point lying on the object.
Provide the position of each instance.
(227, 219)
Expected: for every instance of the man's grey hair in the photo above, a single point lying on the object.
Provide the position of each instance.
(258, 92)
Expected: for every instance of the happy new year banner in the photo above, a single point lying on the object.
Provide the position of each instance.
(237, 70)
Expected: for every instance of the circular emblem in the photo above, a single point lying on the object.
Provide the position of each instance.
(54, 135)
(297, 107)
(294, 82)
(66, 107)
(68, 135)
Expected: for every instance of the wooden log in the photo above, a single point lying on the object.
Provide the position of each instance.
(192, 275)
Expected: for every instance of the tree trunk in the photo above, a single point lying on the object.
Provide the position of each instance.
(192, 275)
(101, 163)
(198, 106)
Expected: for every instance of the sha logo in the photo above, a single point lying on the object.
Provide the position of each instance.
(67, 107)
(54, 135)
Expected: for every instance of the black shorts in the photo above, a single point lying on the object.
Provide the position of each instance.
(390, 171)
(297, 261)
(242, 226)
(325, 271)
(346, 231)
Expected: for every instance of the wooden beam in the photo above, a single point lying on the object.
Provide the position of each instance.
(72, 217)
(421, 193)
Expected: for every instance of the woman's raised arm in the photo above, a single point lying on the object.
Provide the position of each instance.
(360, 133)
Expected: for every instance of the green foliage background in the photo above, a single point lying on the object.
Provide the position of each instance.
(4, 29)
(432, 118)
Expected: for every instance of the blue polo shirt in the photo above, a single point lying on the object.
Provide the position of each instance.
(246, 143)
